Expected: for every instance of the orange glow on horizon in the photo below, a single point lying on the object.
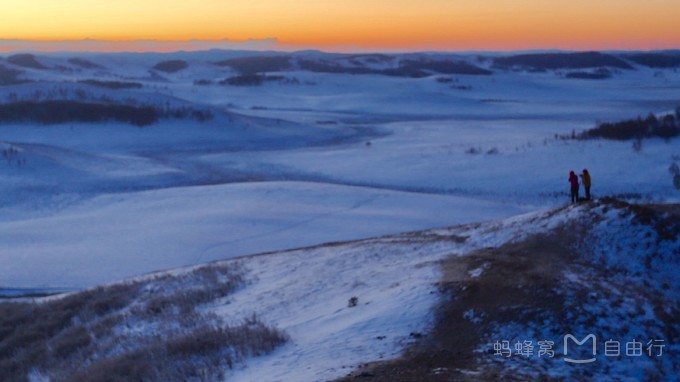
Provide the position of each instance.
(362, 24)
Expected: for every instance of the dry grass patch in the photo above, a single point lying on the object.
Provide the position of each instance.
(158, 329)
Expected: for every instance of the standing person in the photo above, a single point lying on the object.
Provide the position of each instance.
(585, 179)
(573, 180)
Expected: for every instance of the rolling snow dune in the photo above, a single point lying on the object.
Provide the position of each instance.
(513, 160)
(121, 235)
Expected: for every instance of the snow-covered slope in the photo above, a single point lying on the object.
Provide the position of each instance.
(398, 284)
(346, 305)
(121, 235)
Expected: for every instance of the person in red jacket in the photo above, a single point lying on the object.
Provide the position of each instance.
(573, 181)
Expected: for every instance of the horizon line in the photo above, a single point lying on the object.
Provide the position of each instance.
(88, 45)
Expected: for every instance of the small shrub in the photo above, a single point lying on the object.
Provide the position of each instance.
(253, 80)
(135, 366)
(446, 80)
(600, 74)
(10, 76)
(84, 63)
(353, 301)
(674, 169)
(113, 84)
(200, 341)
(637, 145)
(102, 301)
(70, 341)
(102, 327)
(215, 282)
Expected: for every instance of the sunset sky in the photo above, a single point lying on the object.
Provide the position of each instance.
(352, 24)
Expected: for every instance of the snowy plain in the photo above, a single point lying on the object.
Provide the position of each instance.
(112, 237)
(329, 157)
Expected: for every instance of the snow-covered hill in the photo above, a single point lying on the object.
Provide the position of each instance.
(331, 156)
(426, 305)
(242, 153)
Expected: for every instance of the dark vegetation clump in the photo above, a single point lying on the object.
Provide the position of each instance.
(599, 74)
(407, 68)
(257, 64)
(326, 66)
(473, 150)
(10, 76)
(443, 67)
(186, 113)
(446, 80)
(656, 60)
(666, 127)
(26, 60)
(552, 61)
(54, 112)
(244, 80)
(68, 104)
(373, 58)
(85, 64)
(115, 85)
(253, 80)
(674, 169)
(171, 66)
(151, 330)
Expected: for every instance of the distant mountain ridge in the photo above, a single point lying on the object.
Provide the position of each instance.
(419, 64)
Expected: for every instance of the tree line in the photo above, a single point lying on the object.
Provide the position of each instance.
(666, 127)
(62, 111)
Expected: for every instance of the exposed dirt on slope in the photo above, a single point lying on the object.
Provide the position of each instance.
(520, 282)
(510, 279)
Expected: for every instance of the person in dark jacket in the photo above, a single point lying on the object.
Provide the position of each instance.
(573, 181)
(585, 179)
